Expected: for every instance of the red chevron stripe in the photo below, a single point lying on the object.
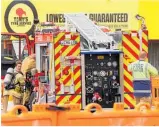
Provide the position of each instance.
(131, 95)
(78, 91)
(59, 99)
(67, 79)
(128, 81)
(72, 97)
(132, 41)
(74, 37)
(128, 103)
(57, 43)
(126, 89)
(126, 68)
(77, 80)
(145, 42)
(66, 68)
(76, 69)
(62, 50)
(130, 50)
(79, 101)
(74, 49)
(57, 89)
(146, 32)
(57, 67)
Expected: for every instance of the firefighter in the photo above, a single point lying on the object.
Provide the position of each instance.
(141, 72)
(14, 89)
(28, 64)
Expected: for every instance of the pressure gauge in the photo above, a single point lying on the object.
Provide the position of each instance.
(115, 64)
(95, 84)
(114, 77)
(101, 64)
(109, 64)
(95, 72)
(102, 73)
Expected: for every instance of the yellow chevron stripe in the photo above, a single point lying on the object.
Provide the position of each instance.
(144, 47)
(130, 44)
(78, 38)
(131, 100)
(66, 99)
(58, 49)
(77, 52)
(58, 37)
(125, 105)
(57, 61)
(128, 86)
(126, 62)
(57, 97)
(144, 36)
(129, 54)
(74, 101)
(76, 75)
(67, 50)
(68, 83)
(128, 75)
(77, 86)
(137, 40)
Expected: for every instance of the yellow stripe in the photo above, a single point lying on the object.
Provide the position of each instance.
(74, 101)
(128, 86)
(64, 100)
(125, 62)
(125, 105)
(144, 36)
(136, 40)
(77, 86)
(78, 38)
(57, 61)
(58, 49)
(131, 45)
(129, 54)
(130, 99)
(58, 37)
(128, 75)
(144, 47)
(68, 83)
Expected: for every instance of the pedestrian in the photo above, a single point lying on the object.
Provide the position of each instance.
(141, 73)
(15, 88)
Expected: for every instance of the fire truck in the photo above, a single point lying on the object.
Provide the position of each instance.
(85, 64)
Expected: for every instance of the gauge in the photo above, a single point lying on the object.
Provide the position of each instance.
(109, 64)
(95, 84)
(114, 77)
(115, 64)
(102, 73)
(95, 72)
